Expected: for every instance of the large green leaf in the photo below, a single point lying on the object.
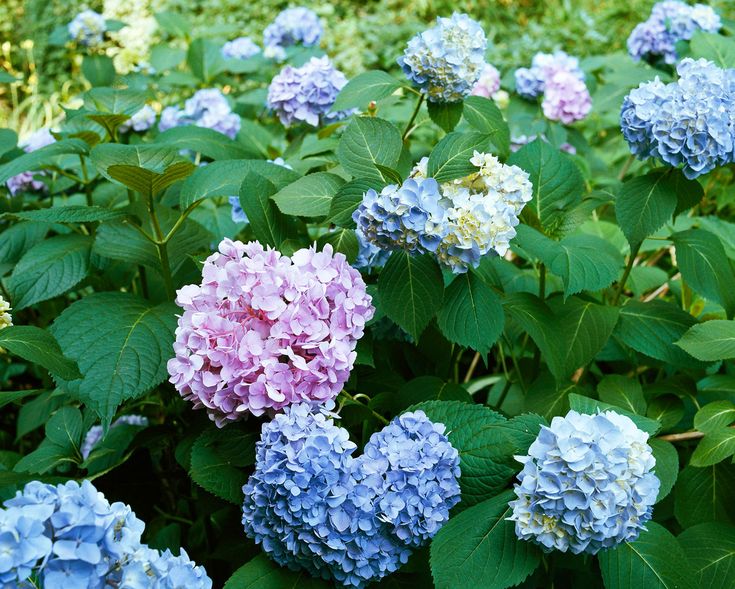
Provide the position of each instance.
(484, 116)
(310, 196)
(367, 86)
(38, 346)
(450, 158)
(410, 290)
(591, 406)
(709, 341)
(716, 446)
(267, 222)
(19, 238)
(40, 158)
(121, 343)
(68, 214)
(710, 548)
(119, 101)
(61, 444)
(98, 69)
(714, 416)
(715, 47)
(667, 465)
(479, 548)
(471, 314)
(622, 391)
(262, 573)
(367, 142)
(445, 114)
(140, 167)
(208, 142)
(205, 59)
(348, 198)
(49, 269)
(705, 494)
(655, 560)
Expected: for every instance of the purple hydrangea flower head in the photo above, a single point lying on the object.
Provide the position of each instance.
(94, 435)
(141, 121)
(566, 98)
(238, 215)
(689, 123)
(312, 506)
(240, 48)
(88, 28)
(264, 331)
(206, 108)
(446, 61)
(26, 181)
(307, 93)
(671, 21)
(586, 485)
(488, 82)
(531, 82)
(293, 26)
(171, 117)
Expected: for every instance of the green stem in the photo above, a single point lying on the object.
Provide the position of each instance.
(471, 369)
(162, 251)
(542, 281)
(626, 274)
(85, 179)
(180, 220)
(375, 413)
(626, 166)
(415, 113)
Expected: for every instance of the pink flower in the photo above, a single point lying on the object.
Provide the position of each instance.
(489, 82)
(264, 331)
(566, 98)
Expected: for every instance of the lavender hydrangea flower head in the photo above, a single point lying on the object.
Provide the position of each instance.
(312, 506)
(293, 26)
(94, 435)
(531, 82)
(26, 181)
(206, 108)
(671, 21)
(238, 215)
(264, 331)
(307, 93)
(566, 98)
(38, 139)
(586, 485)
(488, 82)
(141, 121)
(240, 48)
(88, 28)
(689, 123)
(446, 61)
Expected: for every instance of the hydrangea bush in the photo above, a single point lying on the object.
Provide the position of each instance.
(444, 324)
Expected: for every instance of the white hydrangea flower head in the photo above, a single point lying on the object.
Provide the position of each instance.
(5, 318)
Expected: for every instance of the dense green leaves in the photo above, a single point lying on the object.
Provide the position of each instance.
(267, 222)
(710, 549)
(705, 494)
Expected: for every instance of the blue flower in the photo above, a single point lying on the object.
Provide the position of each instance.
(141, 121)
(531, 82)
(206, 108)
(149, 569)
(369, 255)
(23, 543)
(240, 48)
(586, 485)
(88, 28)
(446, 61)
(293, 26)
(94, 435)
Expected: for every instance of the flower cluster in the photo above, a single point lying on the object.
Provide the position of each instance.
(5, 319)
(26, 181)
(264, 331)
(293, 26)
(518, 141)
(133, 42)
(240, 48)
(670, 21)
(206, 108)
(531, 82)
(488, 83)
(446, 61)
(70, 536)
(688, 123)
(94, 435)
(458, 221)
(307, 93)
(312, 506)
(141, 121)
(238, 215)
(88, 28)
(586, 484)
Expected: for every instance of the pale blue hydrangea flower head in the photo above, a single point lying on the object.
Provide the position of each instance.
(670, 21)
(88, 28)
(240, 48)
(206, 108)
(23, 542)
(293, 26)
(408, 217)
(149, 569)
(586, 485)
(369, 255)
(312, 506)
(141, 121)
(531, 82)
(306, 94)
(238, 215)
(446, 61)
(94, 435)
(689, 123)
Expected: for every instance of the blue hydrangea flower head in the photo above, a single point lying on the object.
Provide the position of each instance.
(88, 28)
(293, 26)
(689, 123)
(369, 255)
(206, 108)
(238, 215)
(23, 542)
(312, 506)
(149, 569)
(587, 484)
(446, 61)
(141, 121)
(306, 94)
(671, 21)
(94, 435)
(240, 48)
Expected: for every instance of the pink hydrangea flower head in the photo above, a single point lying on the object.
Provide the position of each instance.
(263, 331)
(489, 82)
(566, 98)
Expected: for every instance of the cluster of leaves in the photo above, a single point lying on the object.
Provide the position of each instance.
(618, 293)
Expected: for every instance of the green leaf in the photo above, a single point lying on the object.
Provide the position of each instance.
(622, 391)
(667, 465)
(173, 23)
(591, 406)
(715, 47)
(38, 346)
(445, 114)
(8, 140)
(8, 397)
(419, 390)
(44, 458)
(368, 141)
(148, 182)
(262, 573)
(716, 446)
(714, 416)
(217, 460)
(348, 198)
(705, 494)
(655, 560)
(152, 160)
(645, 203)
(118, 101)
(310, 196)
(484, 116)
(411, 290)
(651, 328)
(111, 449)
(705, 267)
(208, 142)
(558, 184)
(367, 86)
(121, 343)
(63, 434)
(471, 314)
(98, 69)
(68, 214)
(710, 548)
(205, 59)
(46, 156)
(710, 341)
(479, 548)
(343, 241)
(49, 269)
(65, 427)
(450, 158)
(267, 222)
